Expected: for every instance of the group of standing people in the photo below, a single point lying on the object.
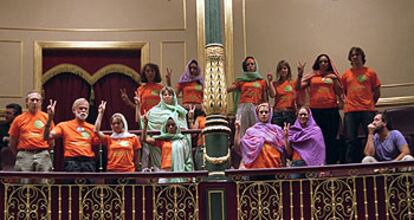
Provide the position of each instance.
(311, 104)
(302, 126)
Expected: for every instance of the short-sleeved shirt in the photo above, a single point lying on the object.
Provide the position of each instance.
(166, 153)
(28, 129)
(322, 93)
(251, 92)
(192, 92)
(359, 85)
(149, 95)
(389, 148)
(285, 95)
(78, 138)
(121, 153)
(201, 120)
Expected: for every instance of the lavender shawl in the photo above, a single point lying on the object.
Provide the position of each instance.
(256, 136)
(308, 141)
(186, 76)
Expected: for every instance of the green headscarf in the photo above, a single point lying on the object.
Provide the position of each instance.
(181, 157)
(246, 77)
(158, 115)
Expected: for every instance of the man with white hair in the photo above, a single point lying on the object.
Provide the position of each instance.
(26, 137)
(78, 137)
(385, 144)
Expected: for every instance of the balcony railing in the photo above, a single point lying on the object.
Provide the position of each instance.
(355, 191)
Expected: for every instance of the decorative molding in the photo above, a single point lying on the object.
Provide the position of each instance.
(397, 85)
(201, 33)
(20, 93)
(395, 101)
(92, 45)
(88, 77)
(229, 49)
(162, 52)
(184, 28)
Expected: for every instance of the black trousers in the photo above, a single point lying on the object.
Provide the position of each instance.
(328, 121)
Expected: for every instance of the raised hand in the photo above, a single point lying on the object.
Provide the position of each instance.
(169, 74)
(269, 76)
(124, 95)
(191, 112)
(301, 68)
(137, 100)
(286, 128)
(102, 107)
(51, 108)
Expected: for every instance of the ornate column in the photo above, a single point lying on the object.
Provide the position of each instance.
(217, 152)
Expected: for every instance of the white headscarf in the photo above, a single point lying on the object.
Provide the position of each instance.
(124, 133)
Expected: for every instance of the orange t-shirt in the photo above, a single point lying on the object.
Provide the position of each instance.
(285, 95)
(251, 92)
(149, 94)
(269, 157)
(296, 156)
(166, 153)
(359, 85)
(121, 153)
(201, 120)
(78, 138)
(28, 129)
(192, 92)
(322, 93)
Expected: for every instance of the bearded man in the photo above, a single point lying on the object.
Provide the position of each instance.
(385, 144)
(78, 137)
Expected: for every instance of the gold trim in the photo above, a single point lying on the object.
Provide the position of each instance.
(90, 78)
(244, 27)
(184, 28)
(20, 42)
(162, 43)
(229, 53)
(395, 101)
(90, 45)
(217, 160)
(201, 36)
(221, 192)
(217, 173)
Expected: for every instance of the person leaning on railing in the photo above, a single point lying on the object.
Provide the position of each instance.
(175, 147)
(78, 137)
(26, 137)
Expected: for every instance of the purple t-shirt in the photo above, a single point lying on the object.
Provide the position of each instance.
(390, 148)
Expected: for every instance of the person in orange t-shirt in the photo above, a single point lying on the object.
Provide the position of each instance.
(26, 137)
(149, 92)
(148, 95)
(122, 146)
(362, 90)
(283, 90)
(198, 123)
(263, 144)
(78, 138)
(249, 90)
(175, 147)
(325, 92)
(190, 85)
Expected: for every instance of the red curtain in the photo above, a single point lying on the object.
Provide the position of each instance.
(107, 88)
(65, 88)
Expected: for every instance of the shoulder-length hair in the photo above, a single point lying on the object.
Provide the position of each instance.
(156, 70)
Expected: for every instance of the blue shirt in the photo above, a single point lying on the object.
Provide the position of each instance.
(390, 147)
